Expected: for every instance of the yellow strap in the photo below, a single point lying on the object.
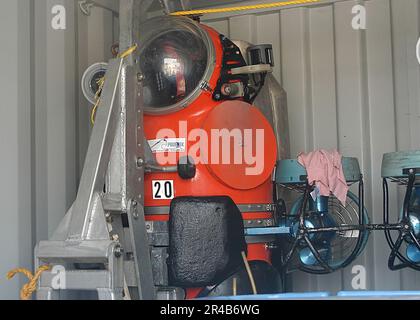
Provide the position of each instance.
(101, 83)
(127, 52)
(242, 8)
(29, 288)
(94, 110)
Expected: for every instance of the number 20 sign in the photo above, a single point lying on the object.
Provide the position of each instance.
(163, 189)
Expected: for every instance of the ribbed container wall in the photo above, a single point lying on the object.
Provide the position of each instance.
(44, 120)
(354, 90)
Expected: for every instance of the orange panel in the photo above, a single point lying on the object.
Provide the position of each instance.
(247, 156)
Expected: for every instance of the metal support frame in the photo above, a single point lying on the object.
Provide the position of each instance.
(304, 235)
(105, 249)
(403, 227)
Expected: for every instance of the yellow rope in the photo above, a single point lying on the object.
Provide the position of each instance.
(101, 83)
(250, 275)
(29, 288)
(243, 8)
(127, 52)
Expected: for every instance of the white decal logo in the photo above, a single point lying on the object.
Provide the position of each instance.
(359, 280)
(58, 21)
(359, 20)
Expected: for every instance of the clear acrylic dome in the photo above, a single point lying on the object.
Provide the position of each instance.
(174, 61)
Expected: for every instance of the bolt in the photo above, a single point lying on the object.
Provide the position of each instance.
(140, 162)
(226, 89)
(118, 251)
(108, 218)
(134, 205)
(140, 77)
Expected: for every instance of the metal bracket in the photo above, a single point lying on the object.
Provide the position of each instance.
(170, 6)
(87, 5)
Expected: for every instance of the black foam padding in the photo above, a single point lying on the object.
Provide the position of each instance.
(206, 241)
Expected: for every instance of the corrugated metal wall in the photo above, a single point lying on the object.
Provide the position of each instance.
(357, 91)
(60, 119)
(15, 143)
(44, 122)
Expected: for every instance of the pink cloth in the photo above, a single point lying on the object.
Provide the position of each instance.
(325, 169)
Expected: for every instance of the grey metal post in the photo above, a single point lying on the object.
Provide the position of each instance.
(93, 231)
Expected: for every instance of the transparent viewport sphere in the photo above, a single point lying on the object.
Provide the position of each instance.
(173, 64)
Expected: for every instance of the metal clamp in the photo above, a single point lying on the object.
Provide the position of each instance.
(87, 5)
